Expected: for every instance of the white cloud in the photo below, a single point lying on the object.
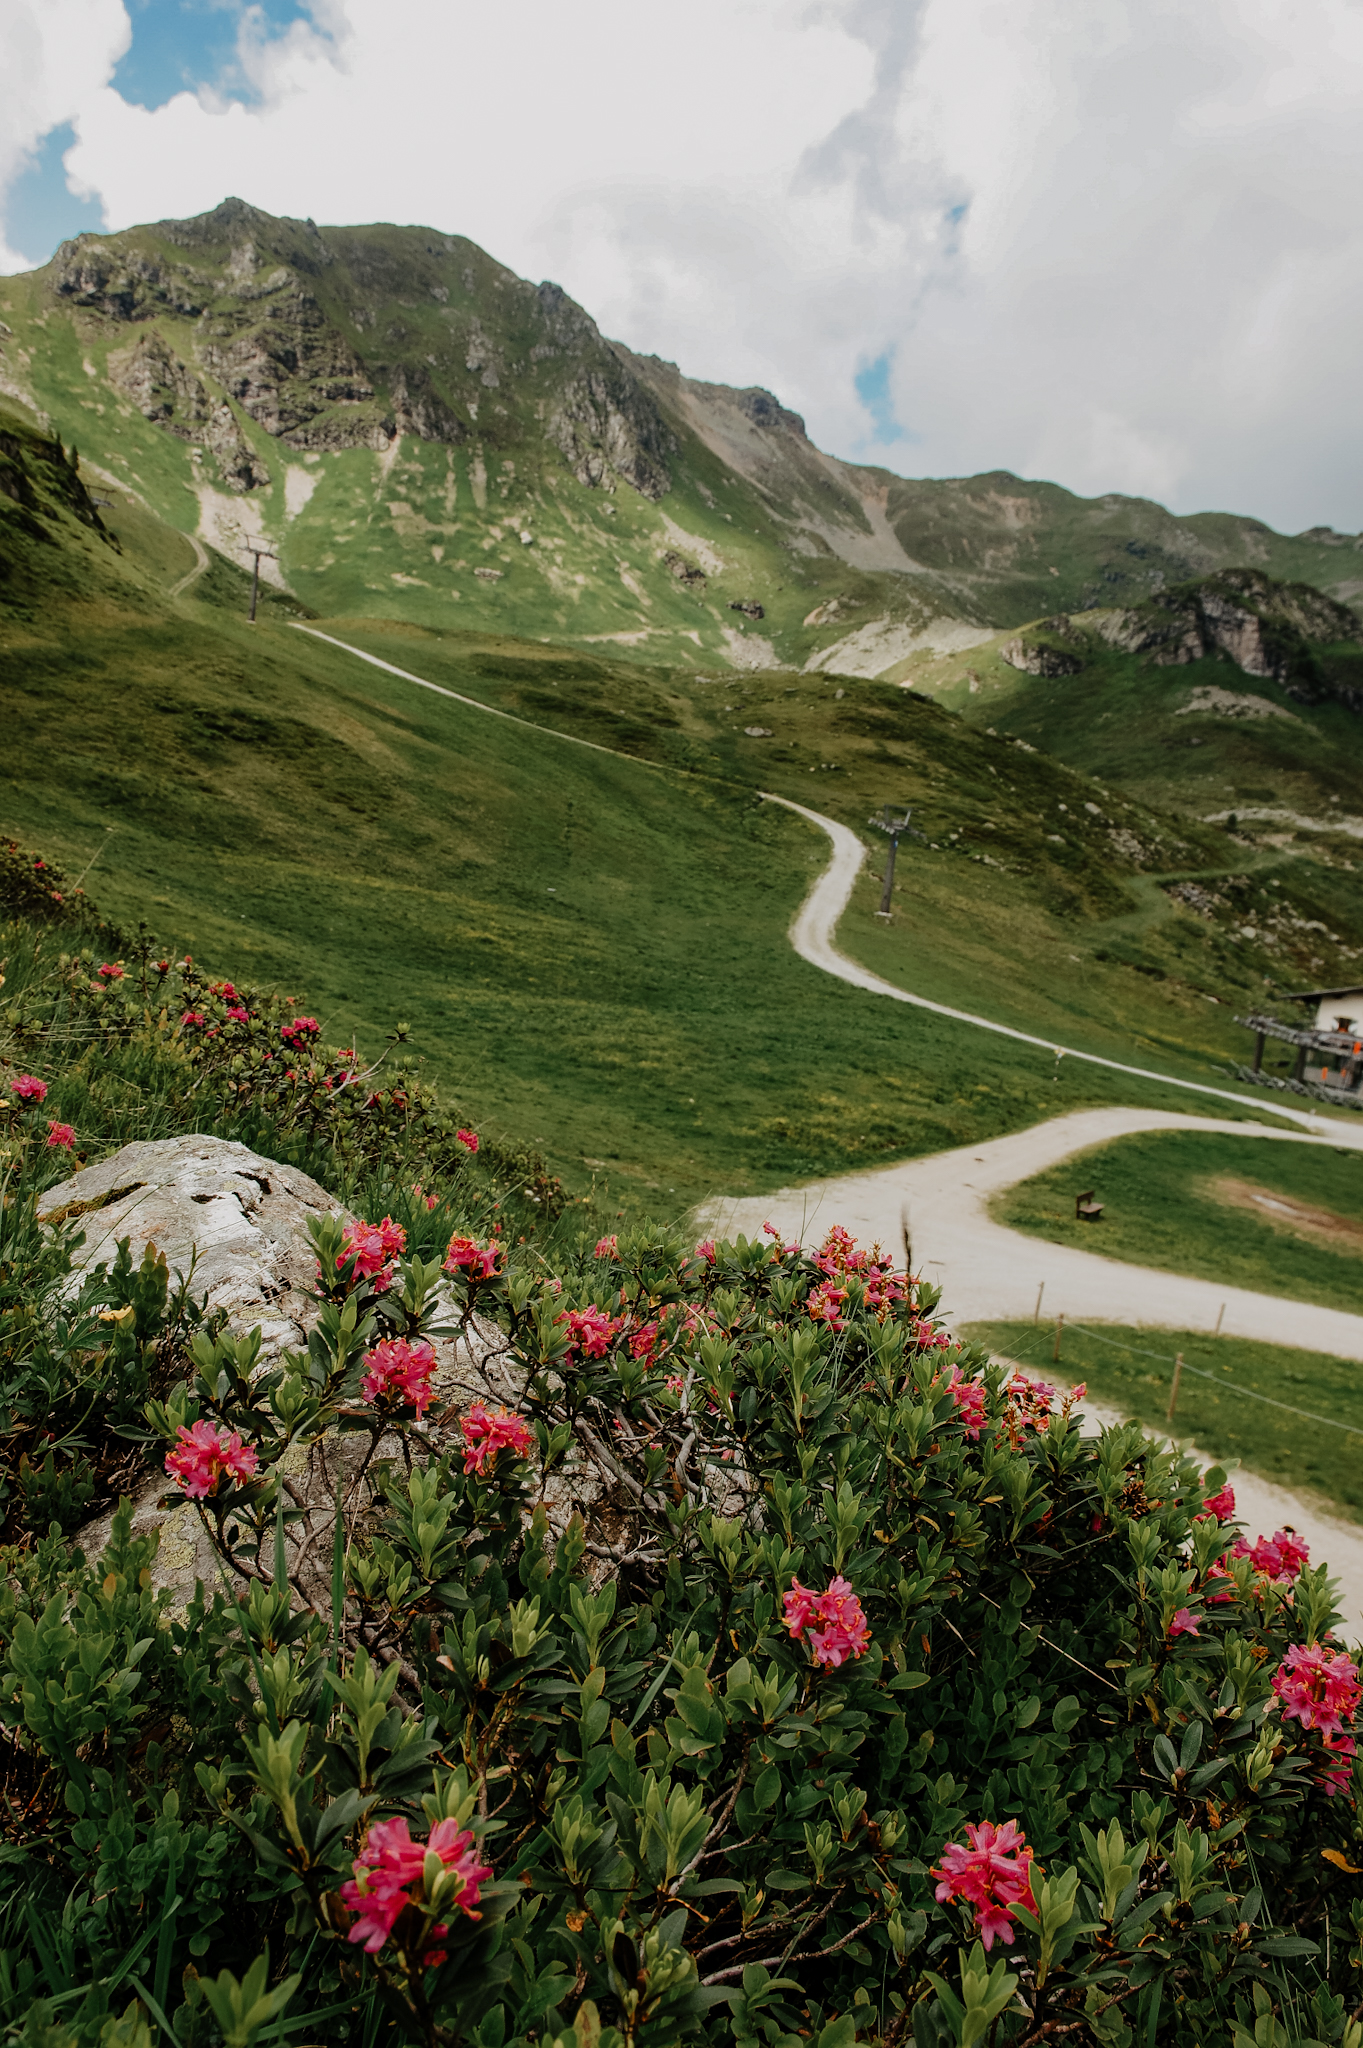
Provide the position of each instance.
(1113, 242)
(54, 57)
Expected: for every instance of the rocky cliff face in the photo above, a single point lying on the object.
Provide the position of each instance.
(1265, 628)
(331, 339)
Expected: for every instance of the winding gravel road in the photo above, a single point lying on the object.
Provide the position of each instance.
(987, 1272)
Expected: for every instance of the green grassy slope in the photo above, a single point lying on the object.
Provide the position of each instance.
(591, 949)
(1170, 1202)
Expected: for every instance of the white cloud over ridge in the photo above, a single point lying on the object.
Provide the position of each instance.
(1112, 242)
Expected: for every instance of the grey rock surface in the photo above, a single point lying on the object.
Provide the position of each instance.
(234, 1222)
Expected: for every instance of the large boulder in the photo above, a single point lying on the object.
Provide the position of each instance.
(233, 1223)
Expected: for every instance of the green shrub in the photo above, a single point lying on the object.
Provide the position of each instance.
(541, 1659)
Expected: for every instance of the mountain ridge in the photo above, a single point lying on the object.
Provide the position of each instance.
(398, 415)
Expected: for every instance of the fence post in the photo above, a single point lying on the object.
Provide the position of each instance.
(1219, 1313)
(1040, 1291)
(1059, 1326)
(1173, 1397)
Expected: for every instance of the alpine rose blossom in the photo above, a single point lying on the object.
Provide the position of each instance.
(63, 1136)
(488, 1431)
(299, 1030)
(994, 1875)
(28, 1088)
(606, 1248)
(1184, 1623)
(203, 1454)
(1218, 1507)
(468, 1139)
(397, 1367)
(1279, 1557)
(590, 1330)
(843, 1629)
(969, 1398)
(1317, 1687)
(373, 1247)
(474, 1261)
(391, 1864)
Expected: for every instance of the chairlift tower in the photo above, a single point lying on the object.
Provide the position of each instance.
(257, 554)
(891, 823)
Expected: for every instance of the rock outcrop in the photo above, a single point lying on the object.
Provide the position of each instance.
(1035, 652)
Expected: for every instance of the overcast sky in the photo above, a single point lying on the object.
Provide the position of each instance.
(1117, 243)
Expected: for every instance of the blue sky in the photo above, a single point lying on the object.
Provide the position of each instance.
(873, 389)
(177, 46)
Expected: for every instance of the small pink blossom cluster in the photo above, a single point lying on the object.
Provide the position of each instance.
(994, 1875)
(1320, 1688)
(1218, 1507)
(706, 1250)
(1184, 1623)
(299, 1031)
(373, 1247)
(468, 1139)
(112, 970)
(607, 1248)
(488, 1431)
(238, 1015)
(969, 1397)
(843, 1632)
(203, 1455)
(1279, 1557)
(1029, 1401)
(838, 1257)
(474, 1261)
(397, 1369)
(929, 1339)
(419, 1194)
(825, 1305)
(62, 1136)
(193, 1020)
(28, 1088)
(591, 1332)
(388, 1868)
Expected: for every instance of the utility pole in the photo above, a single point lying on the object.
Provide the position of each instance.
(257, 554)
(890, 822)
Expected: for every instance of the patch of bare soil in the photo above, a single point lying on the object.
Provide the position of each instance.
(1286, 1213)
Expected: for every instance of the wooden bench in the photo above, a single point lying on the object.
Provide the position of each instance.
(1086, 1210)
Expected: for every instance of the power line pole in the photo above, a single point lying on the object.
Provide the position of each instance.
(890, 822)
(257, 556)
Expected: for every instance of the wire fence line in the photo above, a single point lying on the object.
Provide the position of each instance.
(1218, 1379)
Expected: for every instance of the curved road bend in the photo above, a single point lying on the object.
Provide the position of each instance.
(991, 1273)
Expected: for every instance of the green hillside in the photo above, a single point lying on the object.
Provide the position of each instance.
(591, 949)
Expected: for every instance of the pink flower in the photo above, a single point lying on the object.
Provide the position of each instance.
(28, 1088)
(373, 1246)
(590, 1330)
(299, 1029)
(402, 1369)
(1029, 1401)
(420, 1193)
(1317, 1687)
(771, 1230)
(1280, 1558)
(675, 1384)
(969, 1397)
(1219, 1507)
(706, 1250)
(1184, 1623)
(193, 1020)
(111, 971)
(238, 1015)
(1218, 1571)
(468, 1139)
(642, 1342)
(63, 1136)
(486, 1432)
(825, 1305)
(1338, 1745)
(476, 1262)
(994, 1875)
(844, 1630)
(388, 1874)
(607, 1248)
(203, 1454)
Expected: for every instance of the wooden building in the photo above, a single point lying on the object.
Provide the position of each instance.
(1328, 1046)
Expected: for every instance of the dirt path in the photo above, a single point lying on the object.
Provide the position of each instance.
(192, 575)
(812, 935)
